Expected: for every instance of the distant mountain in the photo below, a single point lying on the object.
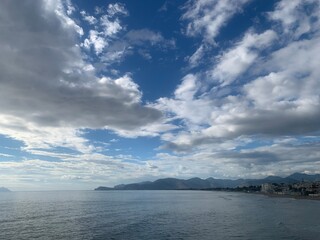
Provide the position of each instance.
(304, 177)
(3, 189)
(198, 183)
(101, 188)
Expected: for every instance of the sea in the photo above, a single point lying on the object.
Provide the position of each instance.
(155, 215)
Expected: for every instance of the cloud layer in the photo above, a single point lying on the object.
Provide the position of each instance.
(46, 81)
(245, 107)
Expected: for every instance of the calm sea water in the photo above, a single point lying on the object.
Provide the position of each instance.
(155, 215)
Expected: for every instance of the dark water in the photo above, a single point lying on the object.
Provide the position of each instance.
(155, 215)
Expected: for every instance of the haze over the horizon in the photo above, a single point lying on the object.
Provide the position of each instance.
(107, 92)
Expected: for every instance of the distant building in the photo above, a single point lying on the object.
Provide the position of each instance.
(311, 189)
(267, 188)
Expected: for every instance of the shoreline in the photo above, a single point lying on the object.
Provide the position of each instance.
(298, 197)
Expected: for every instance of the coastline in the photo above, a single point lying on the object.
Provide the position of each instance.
(298, 197)
(271, 195)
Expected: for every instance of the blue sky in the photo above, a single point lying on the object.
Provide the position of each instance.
(108, 92)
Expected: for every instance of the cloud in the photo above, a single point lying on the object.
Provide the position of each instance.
(207, 17)
(139, 37)
(196, 58)
(110, 27)
(144, 36)
(237, 60)
(116, 9)
(281, 158)
(295, 18)
(106, 28)
(47, 87)
(141, 41)
(90, 19)
(187, 88)
(6, 155)
(248, 110)
(111, 41)
(278, 96)
(77, 173)
(185, 102)
(278, 158)
(96, 40)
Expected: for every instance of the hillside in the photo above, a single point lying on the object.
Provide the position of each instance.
(198, 183)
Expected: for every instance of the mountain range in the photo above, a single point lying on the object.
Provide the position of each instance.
(198, 183)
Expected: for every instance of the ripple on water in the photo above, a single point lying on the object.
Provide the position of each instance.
(155, 215)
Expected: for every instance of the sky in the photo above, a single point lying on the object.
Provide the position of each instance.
(107, 92)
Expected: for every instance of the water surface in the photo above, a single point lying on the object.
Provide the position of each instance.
(155, 215)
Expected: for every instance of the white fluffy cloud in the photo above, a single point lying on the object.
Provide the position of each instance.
(111, 41)
(237, 60)
(116, 8)
(47, 87)
(90, 19)
(185, 105)
(107, 26)
(294, 17)
(278, 97)
(94, 39)
(207, 17)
